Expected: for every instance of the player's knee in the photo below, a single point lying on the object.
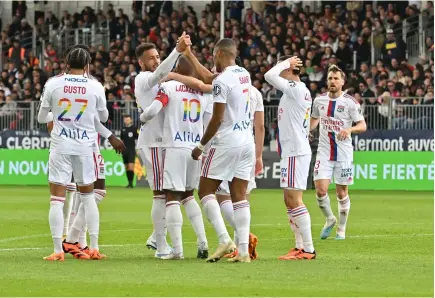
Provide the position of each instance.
(321, 192)
(341, 192)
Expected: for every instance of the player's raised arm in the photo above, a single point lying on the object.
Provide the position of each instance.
(190, 82)
(166, 66)
(203, 73)
(273, 76)
(159, 103)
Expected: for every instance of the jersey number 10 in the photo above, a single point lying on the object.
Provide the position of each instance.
(83, 102)
(188, 107)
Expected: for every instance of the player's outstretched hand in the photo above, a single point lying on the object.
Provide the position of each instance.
(258, 166)
(117, 144)
(295, 62)
(343, 134)
(196, 153)
(183, 43)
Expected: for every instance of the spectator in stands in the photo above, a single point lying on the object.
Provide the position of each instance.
(8, 111)
(365, 91)
(393, 48)
(17, 53)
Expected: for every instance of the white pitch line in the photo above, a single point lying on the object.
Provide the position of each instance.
(192, 242)
(5, 240)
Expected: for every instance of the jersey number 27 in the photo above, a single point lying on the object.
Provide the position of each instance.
(68, 102)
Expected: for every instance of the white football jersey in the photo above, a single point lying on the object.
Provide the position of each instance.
(294, 120)
(231, 87)
(150, 134)
(74, 101)
(183, 114)
(335, 115)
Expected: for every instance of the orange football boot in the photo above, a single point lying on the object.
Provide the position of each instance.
(253, 240)
(60, 256)
(74, 249)
(231, 254)
(291, 253)
(94, 254)
(303, 255)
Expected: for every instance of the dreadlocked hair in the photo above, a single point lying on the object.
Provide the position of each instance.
(78, 58)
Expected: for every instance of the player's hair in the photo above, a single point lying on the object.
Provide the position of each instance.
(228, 46)
(184, 67)
(285, 57)
(334, 68)
(142, 48)
(70, 49)
(78, 58)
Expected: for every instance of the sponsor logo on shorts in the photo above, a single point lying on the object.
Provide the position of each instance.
(284, 173)
(346, 173)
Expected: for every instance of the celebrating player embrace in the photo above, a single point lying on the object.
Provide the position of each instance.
(335, 112)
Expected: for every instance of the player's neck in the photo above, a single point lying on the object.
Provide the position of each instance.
(227, 63)
(77, 72)
(294, 78)
(335, 95)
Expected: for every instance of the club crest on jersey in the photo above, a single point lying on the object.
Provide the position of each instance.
(216, 90)
(340, 109)
(292, 83)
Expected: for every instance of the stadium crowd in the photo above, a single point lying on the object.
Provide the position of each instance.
(263, 31)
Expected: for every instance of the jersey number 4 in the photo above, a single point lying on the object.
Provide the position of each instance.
(247, 100)
(68, 102)
(188, 108)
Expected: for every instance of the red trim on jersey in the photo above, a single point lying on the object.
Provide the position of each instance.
(163, 98)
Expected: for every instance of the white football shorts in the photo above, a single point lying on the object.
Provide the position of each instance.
(181, 171)
(61, 167)
(152, 158)
(224, 188)
(100, 172)
(294, 171)
(339, 172)
(227, 163)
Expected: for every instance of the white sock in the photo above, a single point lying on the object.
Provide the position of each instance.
(298, 237)
(214, 216)
(99, 196)
(343, 213)
(68, 205)
(242, 218)
(228, 214)
(193, 212)
(92, 217)
(174, 222)
(55, 219)
(78, 227)
(75, 209)
(302, 220)
(325, 205)
(158, 212)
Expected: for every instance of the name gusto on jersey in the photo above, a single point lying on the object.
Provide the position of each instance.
(74, 89)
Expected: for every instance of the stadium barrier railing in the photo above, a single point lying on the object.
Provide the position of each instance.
(391, 115)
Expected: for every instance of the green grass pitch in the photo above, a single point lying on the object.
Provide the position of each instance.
(389, 251)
